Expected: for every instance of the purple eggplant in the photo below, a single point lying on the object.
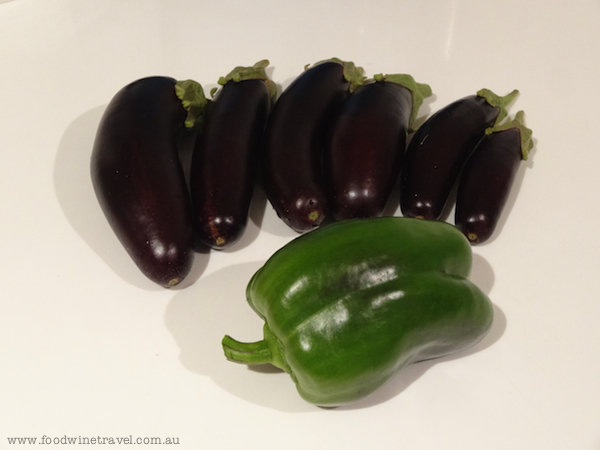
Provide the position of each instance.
(439, 149)
(488, 176)
(138, 178)
(225, 159)
(295, 139)
(368, 140)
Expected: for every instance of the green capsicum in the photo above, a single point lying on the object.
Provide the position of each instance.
(349, 305)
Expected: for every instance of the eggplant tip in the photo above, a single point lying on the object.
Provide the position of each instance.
(313, 216)
(173, 282)
(472, 237)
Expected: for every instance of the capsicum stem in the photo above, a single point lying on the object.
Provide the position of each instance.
(267, 351)
(247, 352)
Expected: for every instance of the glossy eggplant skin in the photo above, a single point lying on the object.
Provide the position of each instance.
(295, 139)
(139, 181)
(437, 153)
(225, 161)
(368, 141)
(485, 184)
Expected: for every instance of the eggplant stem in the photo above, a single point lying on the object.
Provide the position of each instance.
(352, 73)
(526, 134)
(419, 92)
(255, 72)
(499, 102)
(193, 100)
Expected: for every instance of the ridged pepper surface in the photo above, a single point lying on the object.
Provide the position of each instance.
(349, 305)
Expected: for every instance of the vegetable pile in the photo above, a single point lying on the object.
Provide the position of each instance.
(346, 304)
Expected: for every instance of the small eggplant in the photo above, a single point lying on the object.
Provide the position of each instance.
(295, 139)
(488, 176)
(225, 159)
(368, 141)
(440, 147)
(138, 178)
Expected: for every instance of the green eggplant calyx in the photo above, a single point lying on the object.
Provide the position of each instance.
(352, 73)
(255, 72)
(526, 134)
(267, 351)
(499, 102)
(194, 101)
(419, 91)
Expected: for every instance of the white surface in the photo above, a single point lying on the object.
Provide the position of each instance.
(89, 347)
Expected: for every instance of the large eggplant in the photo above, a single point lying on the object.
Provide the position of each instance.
(368, 140)
(440, 147)
(487, 178)
(295, 139)
(138, 178)
(225, 158)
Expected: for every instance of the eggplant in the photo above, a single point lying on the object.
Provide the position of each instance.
(368, 140)
(439, 148)
(295, 138)
(138, 178)
(487, 178)
(225, 158)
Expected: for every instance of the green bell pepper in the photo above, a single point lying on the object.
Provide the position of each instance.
(350, 304)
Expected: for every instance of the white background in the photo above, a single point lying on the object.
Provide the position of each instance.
(89, 347)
